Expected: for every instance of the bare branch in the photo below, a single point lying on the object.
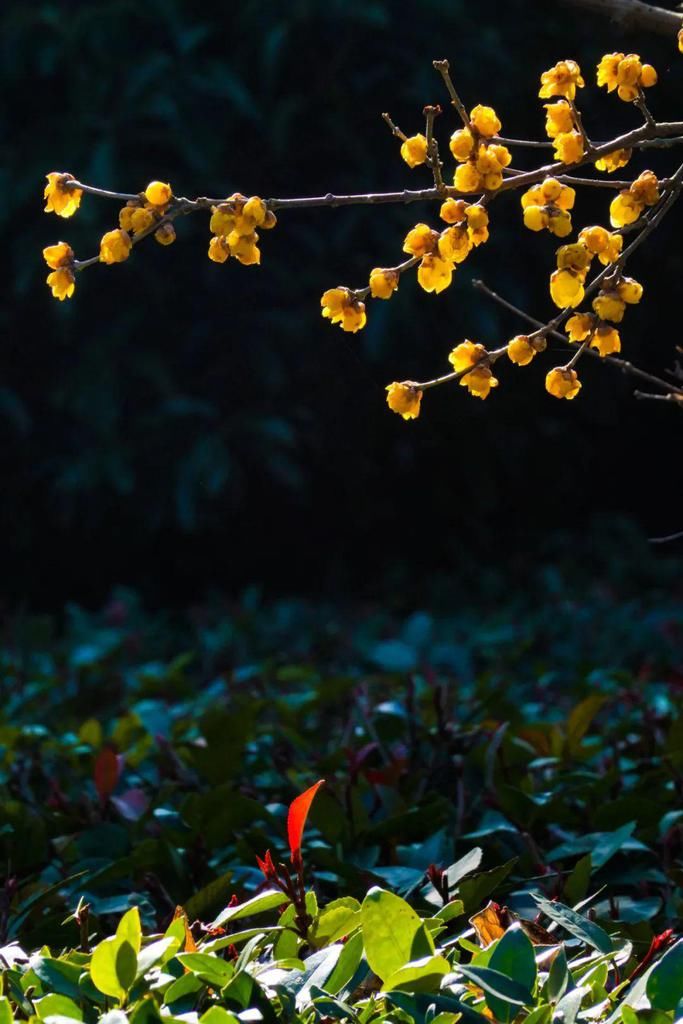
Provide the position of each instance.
(633, 14)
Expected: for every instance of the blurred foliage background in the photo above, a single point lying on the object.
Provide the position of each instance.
(181, 425)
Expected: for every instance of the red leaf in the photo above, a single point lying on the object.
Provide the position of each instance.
(108, 766)
(296, 818)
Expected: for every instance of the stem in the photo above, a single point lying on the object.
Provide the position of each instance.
(433, 147)
(578, 121)
(443, 67)
(394, 128)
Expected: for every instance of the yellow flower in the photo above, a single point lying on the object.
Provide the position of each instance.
(126, 217)
(680, 40)
(383, 283)
(140, 220)
(477, 224)
(645, 189)
(629, 290)
(461, 144)
(467, 178)
(501, 153)
(551, 190)
(222, 219)
(611, 162)
(485, 120)
(607, 70)
(421, 240)
(559, 223)
(59, 255)
(558, 119)
(606, 340)
(533, 197)
(253, 213)
(219, 250)
(158, 193)
(62, 280)
(404, 398)
(61, 200)
(115, 246)
(165, 235)
(561, 80)
(566, 288)
(574, 257)
(569, 147)
(62, 283)
(270, 221)
(434, 274)
(414, 150)
(341, 307)
(609, 306)
(579, 326)
(455, 244)
(624, 209)
(627, 74)
(536, 218)
(466, 354)
(562, 383)
(492, 181)
(453, 211)
(479, 381)
(629, 70)
(244, 248)
(520, 350)
(604, 244)
(486, 162)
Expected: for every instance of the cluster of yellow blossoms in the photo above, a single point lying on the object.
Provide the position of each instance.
(140, 215)
(437, 253)
(547, 206)
(561, 126)
(62, 280)
(627, 74)
(233, 224)
(629, 204)
(480, 161)
(342, 306)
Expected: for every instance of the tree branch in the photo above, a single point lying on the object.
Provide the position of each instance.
(633, 14)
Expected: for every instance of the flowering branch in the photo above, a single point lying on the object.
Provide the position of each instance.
(483, 173)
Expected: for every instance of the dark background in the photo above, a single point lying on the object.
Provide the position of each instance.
(180, 426)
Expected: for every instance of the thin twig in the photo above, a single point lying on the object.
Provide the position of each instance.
(431, 113)
(578, 121)
(394, 128)
(620, 364)
(443, 67)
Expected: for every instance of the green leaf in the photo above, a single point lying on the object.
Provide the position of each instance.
(113, 967)
(340, 917)
(665, 983)
(347, 964)
(579, 721)
(568, 1007)
(576, 885)
(541, 1015)
(217, 1015)
(514, 957)
(498, 985)
(473, 891)
(393, 934)
(130, 929)
(268, 900)
(419, 976)
(56, 1004)
(455, 908)
(559, 978)
(6, 1016)
(58, 975)
(587, 931)
(211, 969)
